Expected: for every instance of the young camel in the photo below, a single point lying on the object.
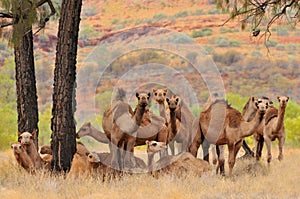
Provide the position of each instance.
(180, 124)
(120, 124)
(274, 127)
(22, 157)
(27, 142)
(222, 124)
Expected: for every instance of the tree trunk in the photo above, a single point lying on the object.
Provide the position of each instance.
(27, 106)
(63, 136)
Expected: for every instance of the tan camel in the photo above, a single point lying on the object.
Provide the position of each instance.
(222, 124)
(160, 97)
(179, 124)
(22, 157)
(274, 127)
(120, 124)
(26, 140)
(89, 130)
(154, 147)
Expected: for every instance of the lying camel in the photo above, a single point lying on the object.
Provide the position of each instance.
(22, 157)
(26, 140)
(154, 147)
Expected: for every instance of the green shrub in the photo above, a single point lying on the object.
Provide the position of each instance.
(115, 21)
(160, 16)
(280, 47)
(181, 14)
(271, 43)
(202, 33)
(197, 12)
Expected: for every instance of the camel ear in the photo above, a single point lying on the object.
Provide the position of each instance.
(168, 100)
(89, 124)
(137, 95)
(154, 90)
(165, 90)
(149, 94)
(147, 142)
(278, 98)
(34, 132)
(253, 99)
(19, 134)
(287, 98)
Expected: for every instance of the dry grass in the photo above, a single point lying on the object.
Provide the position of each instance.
(251, 180)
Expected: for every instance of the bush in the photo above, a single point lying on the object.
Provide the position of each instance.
(181, 14)
(271, 43)
(197, 12)
(160, 16)
(202, 33)
(280, 47)
(228, 58)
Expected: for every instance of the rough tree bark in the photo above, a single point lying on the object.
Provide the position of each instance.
(63, 136)
(27, 105)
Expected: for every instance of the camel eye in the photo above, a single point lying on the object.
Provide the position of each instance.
(20, 147)
(155, 94)
(154, 144)
(165, 94)
(259, 101)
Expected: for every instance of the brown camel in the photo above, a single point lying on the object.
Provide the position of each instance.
(22, 157)
(120, 124)
(180, 124)
(26, 140)
(274, 127)
(222, 124)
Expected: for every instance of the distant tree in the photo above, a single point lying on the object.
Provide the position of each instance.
(63, 136)
(261, 14)
(21, 15)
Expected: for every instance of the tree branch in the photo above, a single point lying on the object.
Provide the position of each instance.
(43, 23)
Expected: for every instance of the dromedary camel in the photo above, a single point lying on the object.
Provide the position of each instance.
(274, 127)
(222, 124)
(87, 129)
(120, 124)
(248, 114)
(22, 157)
(26, 140)
(180, 124)
(160, 97)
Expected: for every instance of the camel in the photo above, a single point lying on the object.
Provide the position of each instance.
(26, 140)
(22, 157)
(120, 124)
(89, 130)
(180, 123)
(248, 114)
(222, 124)
(179, 165)
(274, 127)
(154, 147)
(160, 97)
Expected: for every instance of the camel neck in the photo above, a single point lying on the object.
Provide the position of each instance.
(138, 116)
(162, 110)
(249, 114)
(173, 121)
(280, 118)
(249, 128)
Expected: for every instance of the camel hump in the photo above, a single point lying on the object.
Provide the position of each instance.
(234, 117)
(270, 114)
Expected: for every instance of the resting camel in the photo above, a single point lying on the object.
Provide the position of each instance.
(120, 124)
(22, 157)
(179, 124)
(26, 140)
(222, 124)
(274, 127)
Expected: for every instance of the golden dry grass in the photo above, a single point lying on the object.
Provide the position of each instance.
(250, 180)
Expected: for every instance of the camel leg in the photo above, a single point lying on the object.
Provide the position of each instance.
(221, 159)
(193, 149)
(205, 149)
(129, 159)
(180, 148)
(238, 145)
(247, 149)
(281, 141)
(214, 154)
(150, 159)
(231, 157)
(268, 144)
(171, 144)
(115, 154)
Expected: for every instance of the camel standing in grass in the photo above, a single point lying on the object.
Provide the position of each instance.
(120, 124)
(159, 95)
(26, 140)
(22, 157)
(274, 127)
(180, 124)
(222, 124)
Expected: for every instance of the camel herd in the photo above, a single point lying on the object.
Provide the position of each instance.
(218, 124)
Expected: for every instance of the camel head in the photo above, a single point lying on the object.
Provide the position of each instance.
(143, 99)
(153, 146)
(26, 138)
(17, 147)
(93, 157)
(84, 130)
(283, 100)
(173, 102)
(262, 105)
(160, 95)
